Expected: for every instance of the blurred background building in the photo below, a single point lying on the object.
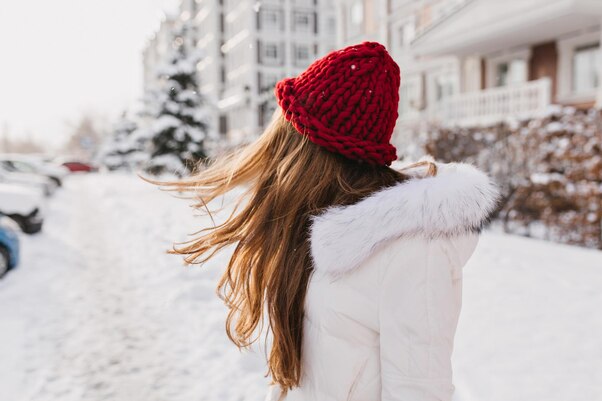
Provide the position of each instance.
(156, 52)
(464, 62)
(474, 62)
(246, 48)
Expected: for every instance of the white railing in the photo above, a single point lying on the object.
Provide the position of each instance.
(493, 105)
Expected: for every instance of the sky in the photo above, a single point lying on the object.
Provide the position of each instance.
(62, 58)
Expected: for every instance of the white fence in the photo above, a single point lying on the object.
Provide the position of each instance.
(493, 105)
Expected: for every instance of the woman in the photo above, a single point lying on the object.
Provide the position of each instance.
(355, 267)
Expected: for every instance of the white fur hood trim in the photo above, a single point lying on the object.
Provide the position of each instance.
(459, 199)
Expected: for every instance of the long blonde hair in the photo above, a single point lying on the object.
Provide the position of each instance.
(288, 179)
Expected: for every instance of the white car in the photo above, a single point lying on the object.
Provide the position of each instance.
(23, 205)
(31, 180)
(32, 164)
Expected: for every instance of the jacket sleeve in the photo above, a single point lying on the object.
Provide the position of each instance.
(419, 306)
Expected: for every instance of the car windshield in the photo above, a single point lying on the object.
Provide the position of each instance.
(23, 166)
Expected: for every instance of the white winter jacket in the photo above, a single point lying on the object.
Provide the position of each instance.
(384, 299)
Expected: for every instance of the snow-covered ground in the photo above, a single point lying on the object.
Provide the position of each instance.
(98, 311)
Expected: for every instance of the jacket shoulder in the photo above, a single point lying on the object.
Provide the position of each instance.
(457, 201)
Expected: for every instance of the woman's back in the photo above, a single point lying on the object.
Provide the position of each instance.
(383, 303)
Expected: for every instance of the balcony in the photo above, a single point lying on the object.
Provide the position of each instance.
(493, 105)
(488, 26)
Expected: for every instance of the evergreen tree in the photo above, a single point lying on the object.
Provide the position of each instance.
(178, 132)
(123, 149)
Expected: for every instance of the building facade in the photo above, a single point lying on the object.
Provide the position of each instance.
(264, 42)
(210, 21)
(472, 62)
(188, 11)
(396, 24)
(246, 47)
(156, 51)
(464, 62)
(518, 57)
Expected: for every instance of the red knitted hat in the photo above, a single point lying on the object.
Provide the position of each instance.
(346, 102)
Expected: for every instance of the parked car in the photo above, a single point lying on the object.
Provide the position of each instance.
(79, 167)
(31, 180)
(9, 245)
(23, 205)
(37, 165)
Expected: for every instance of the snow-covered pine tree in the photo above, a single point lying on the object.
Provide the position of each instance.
(178, 132)
(122, 150)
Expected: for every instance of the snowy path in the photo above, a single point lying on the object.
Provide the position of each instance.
(531, 323)
(106, 314)
(98, 311)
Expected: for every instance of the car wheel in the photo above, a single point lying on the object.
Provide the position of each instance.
(57, 181)
(4, 261)
(28, 224)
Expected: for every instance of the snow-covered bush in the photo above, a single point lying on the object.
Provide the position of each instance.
(550, 170)
(124, 149)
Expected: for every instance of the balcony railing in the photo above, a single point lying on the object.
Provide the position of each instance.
(493, 105)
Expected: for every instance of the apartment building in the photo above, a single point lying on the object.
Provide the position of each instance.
(210, 22)
(396, 24)
(156, 51)
(471, 62)
(158, 47)
(188, 11)
(246, 47)
(264, 42)
(518, 57)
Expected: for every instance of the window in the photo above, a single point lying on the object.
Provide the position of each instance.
(444, 87)
(586, 68)
(270, 19)
(410, 95)
(267, 82)
(223, 124)
(405, 34)
(265, 112)
(19, 166)
(270, 53)
(302, 21)
(356, 18)
(511, 72)
(301, 55)
(332, 25)
(402, 38)
(404, 100)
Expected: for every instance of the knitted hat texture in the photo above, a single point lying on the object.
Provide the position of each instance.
(346, 102)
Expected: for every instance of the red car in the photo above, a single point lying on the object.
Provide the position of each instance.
(76, 167)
